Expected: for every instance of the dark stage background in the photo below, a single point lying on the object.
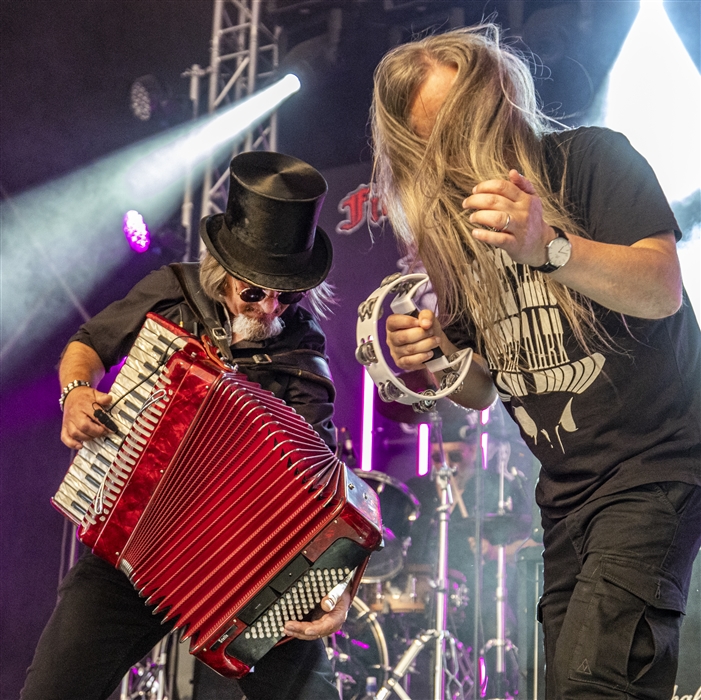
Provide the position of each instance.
(66, 71)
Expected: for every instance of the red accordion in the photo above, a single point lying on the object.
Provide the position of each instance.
(221, 504)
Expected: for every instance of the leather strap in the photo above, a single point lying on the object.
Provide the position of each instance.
(204, 308)
(302, 362)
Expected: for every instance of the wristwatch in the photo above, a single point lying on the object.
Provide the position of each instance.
(68, 388)
(558, 252)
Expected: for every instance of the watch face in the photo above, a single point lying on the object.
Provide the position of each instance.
(559, 251)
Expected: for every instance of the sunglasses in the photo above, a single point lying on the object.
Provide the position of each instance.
(453, 457)
(251, 295)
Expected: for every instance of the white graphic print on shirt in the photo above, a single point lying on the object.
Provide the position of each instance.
(534, 330)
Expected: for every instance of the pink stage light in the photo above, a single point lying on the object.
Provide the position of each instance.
(484, 419)
(484, 416)
(485, 450)
(484, 678)
(423, 449)
(136, 231)
(368, 408)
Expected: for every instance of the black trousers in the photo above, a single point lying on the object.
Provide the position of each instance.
(101, 627)
(616, 580)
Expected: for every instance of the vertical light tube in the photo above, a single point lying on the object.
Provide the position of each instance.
(368, 408)
(484, 419)
(485, 450)
(423, 449)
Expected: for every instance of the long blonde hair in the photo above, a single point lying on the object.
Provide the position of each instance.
(488, 124)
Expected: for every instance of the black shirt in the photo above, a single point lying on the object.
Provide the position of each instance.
(112, 332)
(609, 419)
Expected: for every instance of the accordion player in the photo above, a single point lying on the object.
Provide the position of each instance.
(101, 625)
(233, 532)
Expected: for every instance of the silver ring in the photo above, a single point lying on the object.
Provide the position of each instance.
(506, 225)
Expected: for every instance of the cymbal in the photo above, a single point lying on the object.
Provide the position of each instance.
(497, 529)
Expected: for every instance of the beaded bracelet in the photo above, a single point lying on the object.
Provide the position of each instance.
(68, 388)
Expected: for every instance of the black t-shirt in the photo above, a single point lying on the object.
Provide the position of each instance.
(112, 332)
(605, 420)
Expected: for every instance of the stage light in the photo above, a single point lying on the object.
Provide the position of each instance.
(484, 440)
(145, 97)
(654, 98)
(166, 164)
(136, 232)
(69, 228)
(368, 408)
(423, 449)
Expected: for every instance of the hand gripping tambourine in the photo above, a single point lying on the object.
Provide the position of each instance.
(368, 352)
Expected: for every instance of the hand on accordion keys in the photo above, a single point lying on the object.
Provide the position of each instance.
(80, 422)
(337, 602)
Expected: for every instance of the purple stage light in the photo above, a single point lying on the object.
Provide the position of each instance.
(368, 409)
(136, 231)
(358, 643)
(484, 678)
(423, 449)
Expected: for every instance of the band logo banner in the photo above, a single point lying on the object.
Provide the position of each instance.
(361, 206)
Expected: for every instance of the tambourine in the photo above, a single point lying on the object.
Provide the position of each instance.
(368, 351)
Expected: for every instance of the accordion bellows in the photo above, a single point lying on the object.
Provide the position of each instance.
(222, 505)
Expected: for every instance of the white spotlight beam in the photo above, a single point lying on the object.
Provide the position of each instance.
(168, 164)
(653, 96)
(77, 219)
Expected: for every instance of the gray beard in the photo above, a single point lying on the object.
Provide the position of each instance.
(246, 328)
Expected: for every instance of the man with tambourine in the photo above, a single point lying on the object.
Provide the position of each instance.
(552, 255)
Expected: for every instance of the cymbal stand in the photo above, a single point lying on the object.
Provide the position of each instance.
(148, 679)
(483, 444)
(439, 634)
(501, 643)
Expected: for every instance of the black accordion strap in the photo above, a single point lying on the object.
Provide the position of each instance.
(204, 308)
(302, 362)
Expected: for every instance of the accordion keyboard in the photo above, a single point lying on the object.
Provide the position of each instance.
(84, 484)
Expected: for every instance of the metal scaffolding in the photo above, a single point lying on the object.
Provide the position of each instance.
(243, 54)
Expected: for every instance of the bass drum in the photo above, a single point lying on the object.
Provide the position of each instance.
(358, 650)
(399, 508)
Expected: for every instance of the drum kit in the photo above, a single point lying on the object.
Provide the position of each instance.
(403, 609)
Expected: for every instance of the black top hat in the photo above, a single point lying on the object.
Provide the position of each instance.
(268, 235)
